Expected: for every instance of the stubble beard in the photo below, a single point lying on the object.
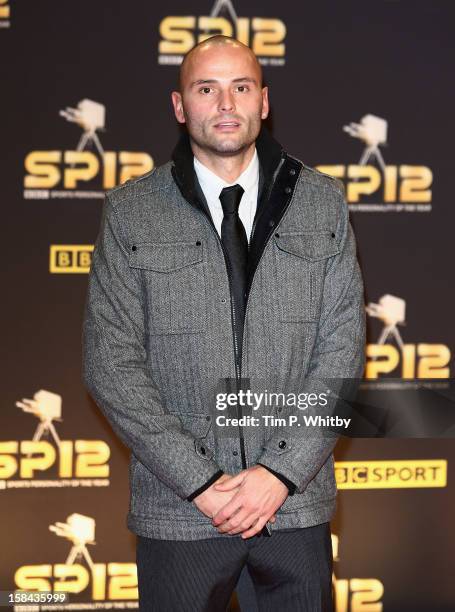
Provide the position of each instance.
(225, 145)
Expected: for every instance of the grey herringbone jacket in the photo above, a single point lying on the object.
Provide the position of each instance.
(158, 333)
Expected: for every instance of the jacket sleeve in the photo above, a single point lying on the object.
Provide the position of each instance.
(290, 485)
(338, 356)
(116, 373)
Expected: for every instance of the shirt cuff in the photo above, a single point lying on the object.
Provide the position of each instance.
(205, 486)
(290, 485)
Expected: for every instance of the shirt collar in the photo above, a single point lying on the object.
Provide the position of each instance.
(212, 182)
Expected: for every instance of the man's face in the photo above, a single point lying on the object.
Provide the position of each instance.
(221, 99)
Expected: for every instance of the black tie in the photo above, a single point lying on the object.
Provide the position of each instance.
(235, 243)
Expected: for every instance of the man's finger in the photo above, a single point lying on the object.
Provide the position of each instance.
(227, 511)
(247, 523)
(233, 522)
(255, 529)
(230, 483)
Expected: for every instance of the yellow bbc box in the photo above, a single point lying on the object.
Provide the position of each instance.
(414, 473)
(70, 258)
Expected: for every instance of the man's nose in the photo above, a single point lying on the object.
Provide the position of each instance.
(226, 102)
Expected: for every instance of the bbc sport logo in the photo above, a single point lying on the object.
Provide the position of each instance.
(70, 258)
(391, 474)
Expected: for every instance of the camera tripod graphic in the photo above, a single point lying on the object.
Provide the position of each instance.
(90, 116)
(373, 131)
(47, 407)
(391, 310)
(80, 530)
(224, 4)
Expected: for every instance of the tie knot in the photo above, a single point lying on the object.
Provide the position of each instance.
(230, 198)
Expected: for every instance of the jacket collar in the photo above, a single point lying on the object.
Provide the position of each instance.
(269, 152)
(278, 174)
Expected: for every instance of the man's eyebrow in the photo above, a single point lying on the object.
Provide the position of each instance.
(238, 80)
(245, 79)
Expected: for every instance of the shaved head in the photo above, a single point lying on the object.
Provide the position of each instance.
(215, 41)
(221, 100)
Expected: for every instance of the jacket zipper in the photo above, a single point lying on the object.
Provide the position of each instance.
(265, 243)
(272, 182)
(237, 358)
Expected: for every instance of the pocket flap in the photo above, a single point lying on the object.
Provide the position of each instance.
(165, 256)
(196, 423)
(312, 246)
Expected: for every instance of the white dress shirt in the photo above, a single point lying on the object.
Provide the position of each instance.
(211, 185)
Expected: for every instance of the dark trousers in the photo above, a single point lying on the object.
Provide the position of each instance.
(291, 571)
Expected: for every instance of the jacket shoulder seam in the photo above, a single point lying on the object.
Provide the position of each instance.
(314, 174)
(126, 190)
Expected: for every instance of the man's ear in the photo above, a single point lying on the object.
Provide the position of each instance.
(265, 103)
(177, 103)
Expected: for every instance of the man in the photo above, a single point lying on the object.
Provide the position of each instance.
(234, 260)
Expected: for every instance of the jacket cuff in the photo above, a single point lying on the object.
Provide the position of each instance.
(290, 485)
(205, 486)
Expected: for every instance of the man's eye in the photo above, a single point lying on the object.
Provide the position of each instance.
(242, 88)
(206, 90)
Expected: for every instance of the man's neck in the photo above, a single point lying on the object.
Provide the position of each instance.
(228, 168)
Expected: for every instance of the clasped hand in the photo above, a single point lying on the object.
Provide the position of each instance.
(243, 503)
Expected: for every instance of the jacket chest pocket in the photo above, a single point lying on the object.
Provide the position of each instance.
(175, 286)
(301, 259)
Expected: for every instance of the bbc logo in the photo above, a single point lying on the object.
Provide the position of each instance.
(70, 258)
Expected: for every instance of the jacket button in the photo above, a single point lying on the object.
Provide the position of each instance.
(277, 235)
(333, 235)
(282, 444)
(207, 418)
(198, 243)
(235, 453)
(292, 171)
(133, 248)
(287, 190)
(223, 300)
(203, 450)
